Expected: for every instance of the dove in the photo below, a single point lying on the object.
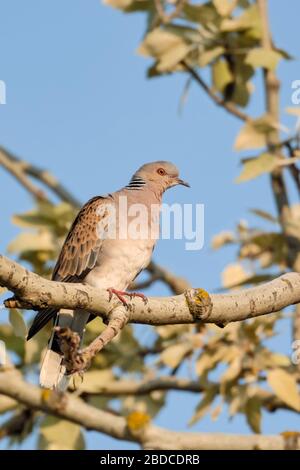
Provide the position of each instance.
(110, 242)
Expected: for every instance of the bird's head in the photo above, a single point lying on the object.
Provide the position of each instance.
(161, 174)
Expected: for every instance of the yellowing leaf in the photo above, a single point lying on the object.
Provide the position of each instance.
(254, 133)
(255, 167)
(7, 404)
(225, 7)
(94, 380)
(221, 75)
(285, 386)
(173, 355)
(209, 55)
(248, 20)
(58, 434)
(260, 57)
(169, 49)
(233, 275)
(232, 372)
(17, 322)
(221, 239)
(27, 241)
(204, 405)
(253, 413)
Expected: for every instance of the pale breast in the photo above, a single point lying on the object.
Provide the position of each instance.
(119, 262)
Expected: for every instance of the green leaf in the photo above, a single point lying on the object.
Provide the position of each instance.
(260, 57)
(203, 14)
(254, 167)
(221, 75)
(253, 414)
(285, 387)
(56, 434)
(17, 322)
(249, 20)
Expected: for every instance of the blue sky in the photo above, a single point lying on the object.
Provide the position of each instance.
(79, 104)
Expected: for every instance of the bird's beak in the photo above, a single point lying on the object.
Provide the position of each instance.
(183, 183)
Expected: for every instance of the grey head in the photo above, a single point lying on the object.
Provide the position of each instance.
(160, 175)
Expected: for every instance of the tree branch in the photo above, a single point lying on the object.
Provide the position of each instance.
(195, 305)
(167, 18)
(123, 387)
(22, 168)
(16, 169)
(229, 107)
(149, 437)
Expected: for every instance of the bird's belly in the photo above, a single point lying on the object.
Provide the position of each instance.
(119, 263)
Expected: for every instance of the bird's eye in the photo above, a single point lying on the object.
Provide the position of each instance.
(161, 172)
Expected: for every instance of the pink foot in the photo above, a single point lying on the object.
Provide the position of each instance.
(120, 294)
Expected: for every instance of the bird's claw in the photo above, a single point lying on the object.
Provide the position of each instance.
(120, 295)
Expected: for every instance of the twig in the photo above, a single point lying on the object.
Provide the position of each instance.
(295, 172)
(77, 360)
(230, 107)
(167, 18)
(41, 175)
(15, 168)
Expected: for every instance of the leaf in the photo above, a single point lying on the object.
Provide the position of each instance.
(260, 57)
(255, 167)
(221, 239)
(234, 274)
(56, 434)
(94, 380)
(204, 405)
(249, 20)
(169, 49)
(209, 55)
(7, 404)
(225, 7)
(203, 14)
(285, 386)
(17, 322)
(253, 414)
(232, 372)
(221, 75)
(254, 133)
(27, 241)
(173, 355)
(295, 110)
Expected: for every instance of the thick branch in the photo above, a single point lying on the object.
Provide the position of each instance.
(150, 437)
(195, 305)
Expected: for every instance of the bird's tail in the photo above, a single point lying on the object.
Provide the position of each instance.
(53, 371)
